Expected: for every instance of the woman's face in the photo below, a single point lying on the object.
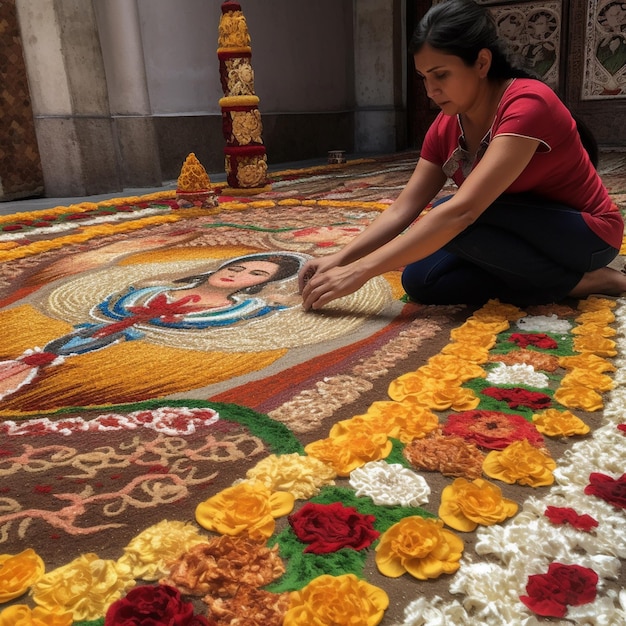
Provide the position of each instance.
(244, 274)
(450, 83)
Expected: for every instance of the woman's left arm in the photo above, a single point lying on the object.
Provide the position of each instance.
(503, 161)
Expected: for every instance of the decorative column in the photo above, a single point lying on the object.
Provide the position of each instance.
(245, 158)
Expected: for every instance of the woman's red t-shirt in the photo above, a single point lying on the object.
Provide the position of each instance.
(560, 170)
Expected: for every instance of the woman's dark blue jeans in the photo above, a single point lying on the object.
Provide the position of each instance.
(522, 250)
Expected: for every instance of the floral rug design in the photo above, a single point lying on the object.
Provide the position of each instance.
(163, 458)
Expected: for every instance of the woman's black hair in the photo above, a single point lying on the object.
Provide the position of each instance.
(288, 266)
(463, 28)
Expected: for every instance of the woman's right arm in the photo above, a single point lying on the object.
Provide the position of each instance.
(427, 179)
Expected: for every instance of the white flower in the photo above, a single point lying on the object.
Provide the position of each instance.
(422, 613)
(390, 484)
(517, 374)
(543, 324)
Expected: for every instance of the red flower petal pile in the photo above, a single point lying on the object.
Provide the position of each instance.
(492, 429)
(565, 515)
(550, 594)
(331, 527)
(611, 490)
(538, 340)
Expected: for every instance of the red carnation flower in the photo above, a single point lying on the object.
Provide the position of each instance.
(330, 527)
(538, 340)
(565, 515)
(550, 594)
(612, 490)
(622, 427)
(516, 397)
(492, 429)
(160, 605)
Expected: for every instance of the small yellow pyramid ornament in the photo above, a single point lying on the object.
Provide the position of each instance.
(193, 188)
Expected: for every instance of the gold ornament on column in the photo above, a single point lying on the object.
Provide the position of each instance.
(245, 157)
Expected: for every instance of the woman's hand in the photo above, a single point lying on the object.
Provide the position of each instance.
(325, 284)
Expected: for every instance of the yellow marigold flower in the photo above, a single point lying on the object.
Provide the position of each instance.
(495, 311)
(149, 554)
(586, 378)
(86, 587)
(598, 345)
(579, 398)
(555, 423)
(421, 547)
(587, 361)
(521, 463)
(600, 329)
(301, 476)
(435, 394)
(18, 572)
(347, 452)
(465, 504)
(466, 352)
(478, 333)
(249, 507)
(401, 420)
(337, 600)
(451, 367)
(23, 615)
(600, 316)
(596, 304)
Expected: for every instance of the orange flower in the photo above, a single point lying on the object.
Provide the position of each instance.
(350, 450)
(421, 547)
(555, 423)
(465, 505)
(496, 311)
(401, 420)
(598, 345)
(450, 455)
(520, 463)
(337, 600)
(18, 572)
(587, 361)
(433, 393)
(249, 507)
(579, 398)
(467, 352)
(23, 615)
(586, 378)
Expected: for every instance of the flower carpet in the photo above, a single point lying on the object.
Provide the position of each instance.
(166, 460)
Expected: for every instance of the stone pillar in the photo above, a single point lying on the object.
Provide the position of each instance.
(69, 96)
(129, 101)
(380, 69)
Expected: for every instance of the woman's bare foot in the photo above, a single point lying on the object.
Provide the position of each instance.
(606, 281)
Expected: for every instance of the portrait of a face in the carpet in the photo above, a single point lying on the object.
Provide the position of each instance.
(250, 303)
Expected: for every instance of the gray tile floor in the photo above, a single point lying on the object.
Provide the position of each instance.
(35, 204)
